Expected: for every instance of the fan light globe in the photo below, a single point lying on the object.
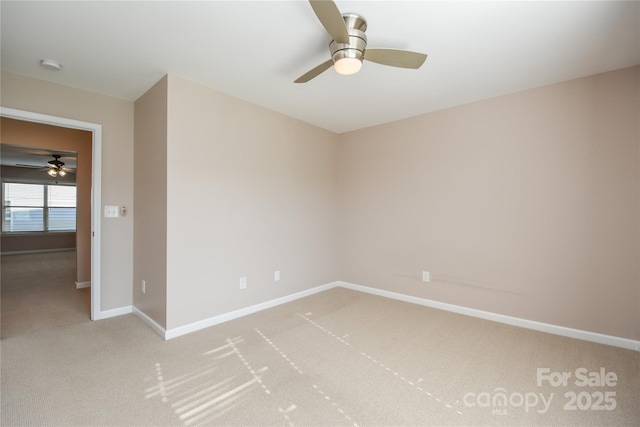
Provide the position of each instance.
(347, 66)
(52, 172)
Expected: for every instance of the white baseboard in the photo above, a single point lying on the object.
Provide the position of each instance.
(626, 343)
(196, 326)
(82, 285)
(149, 321)
(168, 334)
(106, 314)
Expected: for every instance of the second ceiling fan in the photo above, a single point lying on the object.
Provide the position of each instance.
(349, 45)
(56, 166)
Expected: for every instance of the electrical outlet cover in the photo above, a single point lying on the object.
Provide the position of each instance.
(426, 277)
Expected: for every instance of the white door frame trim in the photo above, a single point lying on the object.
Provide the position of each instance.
(96, 180)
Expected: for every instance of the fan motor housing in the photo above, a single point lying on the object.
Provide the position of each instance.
(56, 162)
(356, 26)
(354, 49)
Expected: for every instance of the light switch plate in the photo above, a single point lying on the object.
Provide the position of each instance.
(111, 211)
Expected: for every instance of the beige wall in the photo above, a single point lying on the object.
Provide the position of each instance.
(525, 205)
(249, 191)
(150, 191)
(116, 118)
(11, 244)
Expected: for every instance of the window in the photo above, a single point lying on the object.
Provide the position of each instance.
(38, 207)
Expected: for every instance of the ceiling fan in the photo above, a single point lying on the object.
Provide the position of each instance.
(349, 45)
(56, 166)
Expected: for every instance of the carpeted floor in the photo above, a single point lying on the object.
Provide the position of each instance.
(38, 292)
(338, 358)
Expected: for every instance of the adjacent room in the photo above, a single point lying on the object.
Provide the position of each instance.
(320, 213)
(46, 225)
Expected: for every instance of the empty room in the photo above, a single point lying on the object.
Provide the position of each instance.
(319, 213)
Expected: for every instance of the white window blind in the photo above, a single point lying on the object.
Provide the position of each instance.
(38, 207)
(61, 207)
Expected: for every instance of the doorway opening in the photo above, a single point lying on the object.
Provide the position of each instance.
(95, 189)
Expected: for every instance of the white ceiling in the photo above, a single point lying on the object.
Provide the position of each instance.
(255, 50)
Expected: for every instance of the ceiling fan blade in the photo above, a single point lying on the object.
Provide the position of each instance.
(21, 165)
(331, 19)
(395, 57)
(315, 72)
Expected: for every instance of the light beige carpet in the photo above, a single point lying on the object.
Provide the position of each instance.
(339, 358)
(38, 292)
